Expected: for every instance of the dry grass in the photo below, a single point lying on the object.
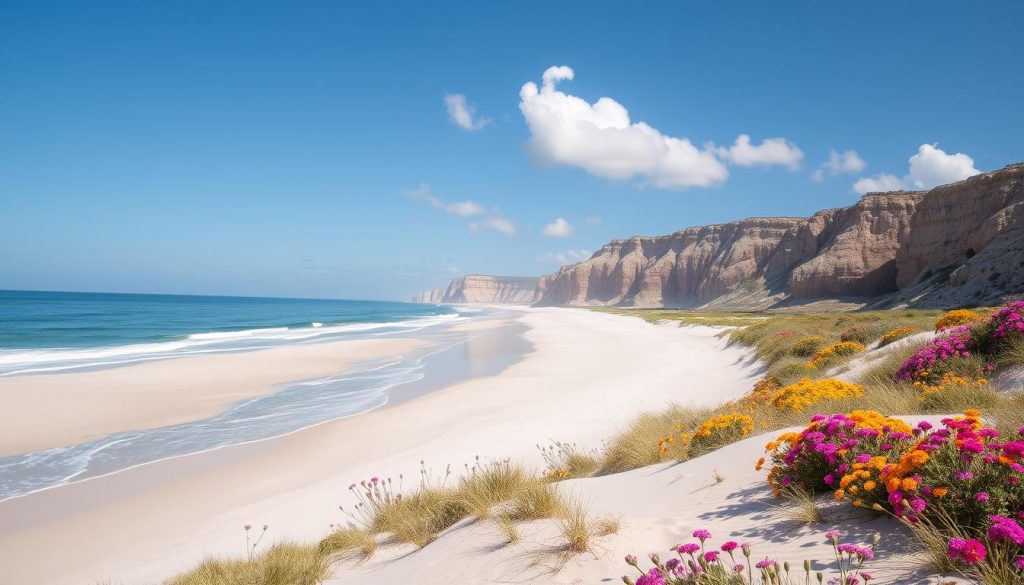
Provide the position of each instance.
(536, 500)
(488, 484)
(637, 445)
(574, 525)
(800, 506)
(567, 460)
(349, 540)
(420, 516)
(607, 525)
(507, 526)
(281, 564)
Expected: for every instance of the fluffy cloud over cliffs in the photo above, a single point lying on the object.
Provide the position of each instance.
(602, 139)
(560, 228)
(930, 167)
(462, 114)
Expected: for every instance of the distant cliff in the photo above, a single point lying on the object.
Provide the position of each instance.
(953, 245)
(487, 290)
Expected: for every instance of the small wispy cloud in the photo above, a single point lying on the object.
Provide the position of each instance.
(560, 228)
(847, 161)
(563, 258)
(462, 114)
(594, 220)
(771, 152)
(459, 208)
(496, 223)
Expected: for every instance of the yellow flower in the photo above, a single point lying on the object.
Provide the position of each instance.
(806, 392)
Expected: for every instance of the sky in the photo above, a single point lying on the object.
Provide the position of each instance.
(371, 150)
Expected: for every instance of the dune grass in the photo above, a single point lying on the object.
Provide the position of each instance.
(574, 526)
(349, 540)
(281, 564)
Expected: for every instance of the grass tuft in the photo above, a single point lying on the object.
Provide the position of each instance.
(281, 564)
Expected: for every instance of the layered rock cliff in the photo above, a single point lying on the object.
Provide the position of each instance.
(953, 245)
(487, 290)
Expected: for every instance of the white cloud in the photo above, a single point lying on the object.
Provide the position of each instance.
(563, 258)
(930, 167)
(847, 161)
(495, 222)
(462, 114)
(594, 219)
(771, 151)
(459, 208)
(601, 139)
(877, 184)
(560, 228)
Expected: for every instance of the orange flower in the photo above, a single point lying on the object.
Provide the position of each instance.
(760, 464)
(940, 492)
(909, 484)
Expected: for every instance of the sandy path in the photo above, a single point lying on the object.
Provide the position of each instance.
(53, 410)
(588, 374)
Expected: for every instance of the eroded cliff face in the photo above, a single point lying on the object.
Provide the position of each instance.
(486, 290)
(953, 245)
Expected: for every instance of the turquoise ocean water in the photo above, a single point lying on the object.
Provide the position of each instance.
(56, 333)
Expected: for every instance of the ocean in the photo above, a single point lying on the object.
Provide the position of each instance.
(52, 331)
(57, 332)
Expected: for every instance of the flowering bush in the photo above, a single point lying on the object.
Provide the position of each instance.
(806, 392)
(951, 382)
(826, 355)
(932, 361)
(806, 346)
(696, 564)
(1009, 321)
(817, 457)
(897, 334)
(720, 430)
(958, 318)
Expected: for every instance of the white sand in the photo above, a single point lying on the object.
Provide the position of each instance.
(658, 507)
(44, 411)
(588, 374)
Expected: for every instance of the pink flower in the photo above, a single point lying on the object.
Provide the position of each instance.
(711, 556)
(970, 551)
(832, 535)
(729, 545)
(1003, 528)
(981, 496)
(765, 563)
(702, 534)
(688, 548)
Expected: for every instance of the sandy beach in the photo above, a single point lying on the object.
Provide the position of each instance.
(587, 374)
(54, 410)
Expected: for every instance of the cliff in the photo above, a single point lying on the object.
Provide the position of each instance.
(953, 245)
(481, 289)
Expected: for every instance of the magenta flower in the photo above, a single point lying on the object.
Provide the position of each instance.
(702, 534)
(711, 556)
(970, 551)
(981, 496)
(688, 548)
(832, 535)
(765, 563)
(1003, 528)
(729, 546)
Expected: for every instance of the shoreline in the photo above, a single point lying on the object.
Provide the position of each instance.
(586, 375)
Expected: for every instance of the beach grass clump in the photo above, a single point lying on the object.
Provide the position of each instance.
(349, 540)
(281, 564)
(732, 563)
(862, 334)
(535, 501)
(568, 461)
(488, 484)
(574, 526)
(640, 443)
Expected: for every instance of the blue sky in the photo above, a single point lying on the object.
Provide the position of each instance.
(306, 148)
